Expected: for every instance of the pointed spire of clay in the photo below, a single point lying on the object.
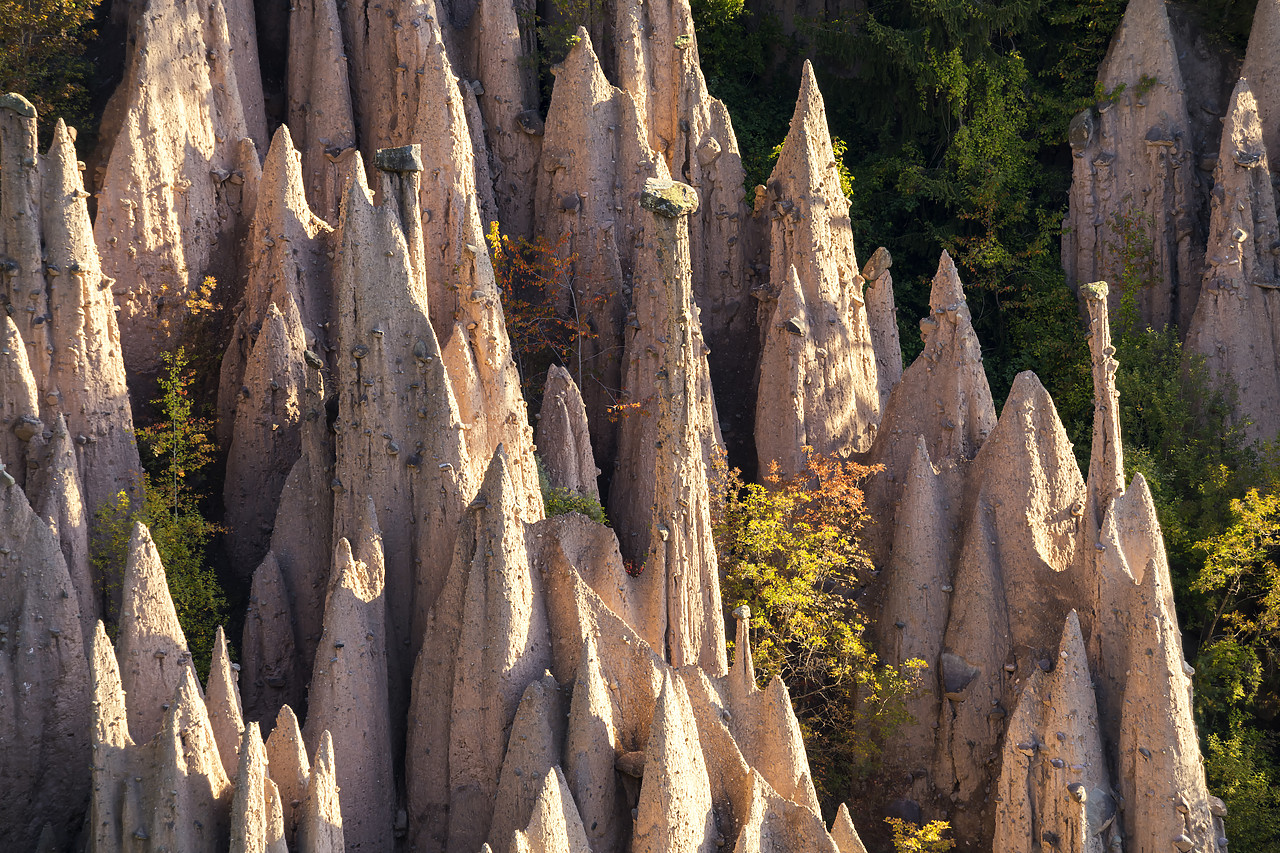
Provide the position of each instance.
(1029, 505)
(161, 227)
(535, 745)
(595, 158)
(222, 698)
(971, 671)
(1160, 770)
(563, 438)
(591, 747)
(659, 497)
(320, 824)
(348, 697)
(20, 244)
(289, 766)
(839, 407)
(781, 426)
(59, 499)
(1136, 146)
(19, 404)
(243, 31)
(267, 651)
(882, 317)
(652, 53)
(1053, 776)
(189, 791)
(87, 367)
(1106, 456)
(275, 837)
(943, 397)
(917, 602)
(1260, 70)
(286, 248)
(249, 819)
(742, 676)
(279, 387)
(844, 834)
(390, 374)
(45, 669)
(674, 813)
(1239, 301)
(111, 746)
(555, 825)
(501, 644)
(151, 646)
(320, 103)
(772, 824)
(301, 545)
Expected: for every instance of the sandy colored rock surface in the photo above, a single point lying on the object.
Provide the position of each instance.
(319, 98)
(659, 500)
(563, 437)
(87, 367)
(486, 640)
(675, 797)
(45, 687)
(289, 766)
(180, 133)
(58, 498)
(1240, 298)
(1054, 781)
(320, 824)
(150, 644)
(818, 332)
(595, 160)
(943, 397)
(348, 698)
(222, 699)
(534, 748)
(1134, 152)
(1262, 73)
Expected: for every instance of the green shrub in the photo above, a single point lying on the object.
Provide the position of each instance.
(176, 449)
(42, 45)
(790, 551)
(1239, 769)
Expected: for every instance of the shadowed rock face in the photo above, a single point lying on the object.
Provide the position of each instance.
(320, 112)
(595, 160)
(564, 438)
(819, 385)
(1240, 300)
